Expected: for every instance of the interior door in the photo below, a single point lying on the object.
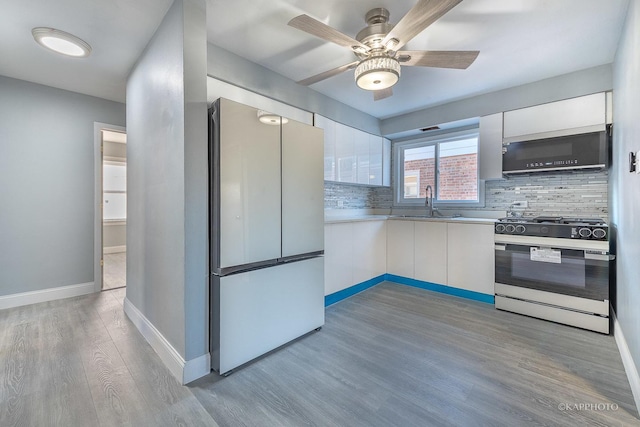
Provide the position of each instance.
(302, 189)
(249, 186)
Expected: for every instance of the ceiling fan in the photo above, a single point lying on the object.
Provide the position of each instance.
(377, 46)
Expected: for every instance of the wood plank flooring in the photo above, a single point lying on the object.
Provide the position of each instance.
(390, 356)
(399, 356)
(114, 273)
(81, 362)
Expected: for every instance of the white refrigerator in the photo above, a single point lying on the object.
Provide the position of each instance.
(266, 232)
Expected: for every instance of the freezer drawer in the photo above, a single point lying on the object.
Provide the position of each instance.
(257, 311)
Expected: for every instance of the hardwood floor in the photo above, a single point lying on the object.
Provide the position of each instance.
(114, 273)
(81, 362)
(390, 356)
(399, 356)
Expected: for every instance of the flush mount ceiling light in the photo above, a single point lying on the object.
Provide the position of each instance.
(378, 72)
(61, 42)
(271, 119)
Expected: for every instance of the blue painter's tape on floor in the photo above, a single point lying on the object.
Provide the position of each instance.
(463, 293)
(352, 290)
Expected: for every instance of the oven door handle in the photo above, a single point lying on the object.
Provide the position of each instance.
(598, 256)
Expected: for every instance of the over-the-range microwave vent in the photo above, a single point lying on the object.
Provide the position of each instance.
(588, 151)
(430, 128)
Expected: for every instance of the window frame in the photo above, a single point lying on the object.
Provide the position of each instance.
(435, 140)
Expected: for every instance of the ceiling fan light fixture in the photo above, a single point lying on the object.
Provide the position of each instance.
(61, 42)
(377, 72)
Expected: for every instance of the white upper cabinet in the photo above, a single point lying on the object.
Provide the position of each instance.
(490, 146)
(361, 145)
(567, 117)
(329, 127)
(354, 156)
(386, 162)
(346, 168)
(375, 160)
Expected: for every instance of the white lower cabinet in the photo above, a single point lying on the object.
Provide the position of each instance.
(354, 252)
(369, 250)
(470, 252)
(400, 250)
(431, 252)
(459, 255)
(338, 257)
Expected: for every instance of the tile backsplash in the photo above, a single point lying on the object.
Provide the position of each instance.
(346, 196)
(577, 193)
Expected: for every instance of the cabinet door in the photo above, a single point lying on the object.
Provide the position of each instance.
(369, 250)
(386, 162)
(345, 153)
(490, 146)
(400, 250)
(302, 189)
(361, 143)
(375, 160)
(470, 251)
(575, 113)
(338, 256)
(431, 252)
(329, 128)
(249, 187)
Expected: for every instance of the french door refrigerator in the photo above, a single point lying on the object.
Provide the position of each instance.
(266, 232)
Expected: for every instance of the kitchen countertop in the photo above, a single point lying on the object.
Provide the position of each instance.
(355, 218)
(459, 220)
(359, 218)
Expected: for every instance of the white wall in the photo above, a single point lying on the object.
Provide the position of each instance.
(47, 184)
(231, 68)
(625, 186)
(167, 268)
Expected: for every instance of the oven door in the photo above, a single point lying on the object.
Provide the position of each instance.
(578, 273)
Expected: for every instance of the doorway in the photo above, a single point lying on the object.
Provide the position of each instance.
(114, 209)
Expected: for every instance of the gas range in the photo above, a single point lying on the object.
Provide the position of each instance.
(554, 226)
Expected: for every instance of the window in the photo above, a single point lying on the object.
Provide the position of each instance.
(114, 191)
(448, 163)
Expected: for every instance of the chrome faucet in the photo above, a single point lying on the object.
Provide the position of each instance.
(428, 200)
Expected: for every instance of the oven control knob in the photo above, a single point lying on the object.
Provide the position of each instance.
(499, 228)
(599, 233)
(584, 232)
(544, 230)
(510, 228)
(520, 228)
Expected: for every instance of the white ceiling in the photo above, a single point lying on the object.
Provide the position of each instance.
(520, 41)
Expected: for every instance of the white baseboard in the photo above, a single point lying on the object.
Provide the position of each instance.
(114, 249)
(627, 360)
(34, 297)
(184, 372)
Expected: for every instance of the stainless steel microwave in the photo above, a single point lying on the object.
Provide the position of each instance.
(584, 151)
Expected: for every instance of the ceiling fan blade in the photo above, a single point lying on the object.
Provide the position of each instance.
(460, 59)
(325, 32)
(325, 75)
(423, 14)
(382, 94)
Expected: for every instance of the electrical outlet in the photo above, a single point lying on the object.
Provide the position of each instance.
(340, 203)
(521, 204)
